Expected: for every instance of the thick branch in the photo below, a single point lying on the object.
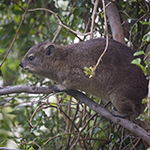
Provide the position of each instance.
(25, 89)
(115, 23)
(82, 98)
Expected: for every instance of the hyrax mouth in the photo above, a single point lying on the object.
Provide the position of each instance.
(24, 68)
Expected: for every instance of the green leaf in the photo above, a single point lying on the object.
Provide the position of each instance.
(144, 101)
(139, 53)
(71, 18)
(146, 63)
(78, 11)
(136, 61)
(49, 124)
(78, 21)
(96, 130)
(90, 71)
(145, 23)
(16, 112)
(146, 110)
(146, 37)
(141, 11)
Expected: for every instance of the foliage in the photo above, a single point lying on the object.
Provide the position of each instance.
(89, 71)
(54, 122)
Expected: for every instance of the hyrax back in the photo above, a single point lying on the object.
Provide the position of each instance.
(116, 79)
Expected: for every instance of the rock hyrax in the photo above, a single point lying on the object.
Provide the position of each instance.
(116, 79)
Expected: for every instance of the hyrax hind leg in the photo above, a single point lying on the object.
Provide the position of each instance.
(124, 106)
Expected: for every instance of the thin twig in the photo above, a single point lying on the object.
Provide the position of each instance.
(106, 30)
(18, 5)
(16, 33)
(60, 22)
(51, 138)
(56, 35)
(134, 146)
(94, 14)
(134, 26)
(32, 142)
(103, 8)
(59, 30)
(72, 147)
(36, 110)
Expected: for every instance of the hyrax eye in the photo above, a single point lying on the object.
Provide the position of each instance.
(31, 58)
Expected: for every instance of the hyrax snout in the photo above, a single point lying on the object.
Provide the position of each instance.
(116, 79)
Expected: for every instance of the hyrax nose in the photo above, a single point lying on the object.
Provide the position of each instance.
(21, 64)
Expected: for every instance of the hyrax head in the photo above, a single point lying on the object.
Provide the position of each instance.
(36, 59)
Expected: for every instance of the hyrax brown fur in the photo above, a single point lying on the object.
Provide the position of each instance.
(116, 79)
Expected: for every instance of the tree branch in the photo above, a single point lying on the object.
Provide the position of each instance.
(60, 22)
(59, 30)
(84, 99)
(25, 89)
(115, 23)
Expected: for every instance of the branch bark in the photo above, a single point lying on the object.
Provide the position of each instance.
(26, 89)
(115, 23)
(84, 99)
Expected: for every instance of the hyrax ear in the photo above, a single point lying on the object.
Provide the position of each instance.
(50, 49)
